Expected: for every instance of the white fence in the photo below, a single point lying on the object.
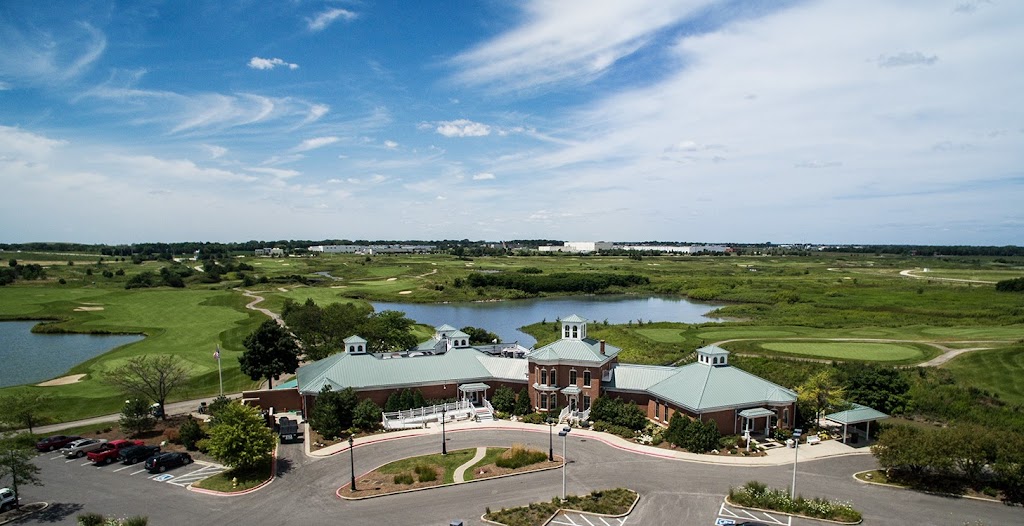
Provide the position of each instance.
(410, 418)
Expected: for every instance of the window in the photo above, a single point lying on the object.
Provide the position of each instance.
(543, 377)
(586, 402)
(553, 403)
(566, 331)
(543, 402)
(575, 334)
(785, 416)
(586, 378)
(554, 377)
(572, 377)
(657, 410)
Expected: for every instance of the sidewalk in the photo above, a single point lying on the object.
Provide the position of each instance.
(775, 457)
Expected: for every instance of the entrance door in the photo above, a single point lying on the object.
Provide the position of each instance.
(572, 404)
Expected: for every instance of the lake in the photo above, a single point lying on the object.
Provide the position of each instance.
(505, 317)
(30, 358)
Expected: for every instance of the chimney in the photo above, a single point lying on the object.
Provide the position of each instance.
(602, 347)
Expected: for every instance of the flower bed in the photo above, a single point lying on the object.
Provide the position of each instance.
(609, 502)
(757, 495)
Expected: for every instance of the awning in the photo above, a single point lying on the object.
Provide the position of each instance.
(473, 388)
(571, 390)
(856, 415)
(757, 412)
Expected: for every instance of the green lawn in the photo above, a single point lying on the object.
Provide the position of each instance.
(865, 352)
(448, 463)
(997, 370)
(662, 335)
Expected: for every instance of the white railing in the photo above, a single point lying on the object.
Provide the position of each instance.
(421, 415)
(487, 404)
(564, 414)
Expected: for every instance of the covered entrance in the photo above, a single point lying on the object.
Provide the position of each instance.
(475, 393)
(856, 422)
(752, 423)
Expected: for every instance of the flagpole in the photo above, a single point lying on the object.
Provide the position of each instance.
(220, 373)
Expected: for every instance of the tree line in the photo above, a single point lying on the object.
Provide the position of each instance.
(558, 282)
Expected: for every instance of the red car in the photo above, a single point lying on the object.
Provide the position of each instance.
(55, 442)
(111, 451)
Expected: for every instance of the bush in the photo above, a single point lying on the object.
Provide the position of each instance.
(425, 473)
(90, 519)
(190, 433)
(534, 418)
(367, 415)
(757, 495)
(618, 412)
(172, 435)
(518, 456)
(403, 478)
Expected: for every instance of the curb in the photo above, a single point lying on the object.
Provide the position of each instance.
(29, 514)
(339, 495)
(908, 488)
(261, 485)
(792, 514)
(560, 510)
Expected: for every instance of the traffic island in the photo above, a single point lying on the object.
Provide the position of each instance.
(22, 511)
(617, 502)
(437, 470)
(757, 496)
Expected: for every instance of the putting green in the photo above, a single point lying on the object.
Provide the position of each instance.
(861, 351)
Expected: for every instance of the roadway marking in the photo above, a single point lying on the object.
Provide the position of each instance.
(56, 457)
(87, 463)
(163, 478)
(570, 518)
(122, 469)
(70, 460)
(137, 472)
(747, 515)
(199, 474)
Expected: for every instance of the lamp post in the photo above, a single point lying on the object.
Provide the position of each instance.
(444, 443)
(551, 448)
(564, 433)
(796, 455)
(352, 463)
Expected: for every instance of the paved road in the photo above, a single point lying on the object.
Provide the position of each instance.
(672, 492)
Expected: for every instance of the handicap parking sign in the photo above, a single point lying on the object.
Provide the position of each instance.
(163, 478)
(724, 522)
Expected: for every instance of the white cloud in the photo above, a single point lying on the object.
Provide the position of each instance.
(275, 172)
(270, 63)
(483, 176)
(16, 143)
(462, 128)
(49, 57)
(325, 18)
(4, 86)
(906, 58)
(159, 169)
(314, 143)
(391, 145)
(568, 41)
(216, 152)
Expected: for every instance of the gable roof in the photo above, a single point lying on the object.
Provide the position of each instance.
(700, 387)
(585, 350)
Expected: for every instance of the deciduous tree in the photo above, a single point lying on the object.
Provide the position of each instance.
(24, 408)
(241, 438)
(16, 463)
(270, 352)
(822, 391)
(150, 377)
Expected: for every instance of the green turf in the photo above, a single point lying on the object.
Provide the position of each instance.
(868, 352)
(996, 370)
(448, 463)
(489, 458)
(662, 335)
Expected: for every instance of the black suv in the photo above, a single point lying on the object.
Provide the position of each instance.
(160, 463)
(131, 455)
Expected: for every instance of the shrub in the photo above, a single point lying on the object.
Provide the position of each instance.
(534, 418)
(518, 456)
(172, 435)
(190, 433)
(90, 519)
(403, 478)
(366, 416)
(425, 473)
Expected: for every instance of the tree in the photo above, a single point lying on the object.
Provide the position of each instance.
(504, 399)
(883, 388)
(366, 416)
(136, 417)
(477, 335)
(676, 429)
(150, 378)
(190, 433)
(523, 404)
(822, 391)
(16, 463)
(24, 408)
(333, 412)
(270, 352)
(387, 331)
(699, 437)
(241, 438)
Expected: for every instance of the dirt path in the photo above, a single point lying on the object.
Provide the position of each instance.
(947, 353)
(909, 273)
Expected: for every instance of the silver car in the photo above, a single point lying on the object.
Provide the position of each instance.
(79, 448)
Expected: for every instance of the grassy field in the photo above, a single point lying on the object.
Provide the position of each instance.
(448, 463)
(849, 351)
(997, 370)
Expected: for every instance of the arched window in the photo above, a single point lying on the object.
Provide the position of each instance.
(572, 377)
(566, 331)
(586, 378)
(360, 348)
(554, 377)
(543, 377)
(575, 333)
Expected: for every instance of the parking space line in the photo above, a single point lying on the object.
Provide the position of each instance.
(122, 468)
(70, 460)
(87, 463)
(56, 457)
(137, 472)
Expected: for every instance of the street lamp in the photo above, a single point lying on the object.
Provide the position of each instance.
(563, 433)
(444, 443)
(352, 462)
(796, 455)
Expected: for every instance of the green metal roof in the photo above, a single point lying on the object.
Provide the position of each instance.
(585, 350)
(354, 339)
(857, 414)
(713, 350)
(700, 387)
(630, 377)
(445, 328)
(573, 318)
(757, 412)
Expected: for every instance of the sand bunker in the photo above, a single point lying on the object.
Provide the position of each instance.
(406, 292)
(86, 309)
(63, 380)
(338, 287)
(392, 279)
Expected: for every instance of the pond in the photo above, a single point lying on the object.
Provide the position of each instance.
(30, 358)
(505, 317)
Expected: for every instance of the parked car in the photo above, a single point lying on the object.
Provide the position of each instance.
(131, 455)
(7, 499)
(79, 448)
(111, 451)
(160, 463)
(56, 442)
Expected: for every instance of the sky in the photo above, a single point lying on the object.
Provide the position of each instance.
(812, 121)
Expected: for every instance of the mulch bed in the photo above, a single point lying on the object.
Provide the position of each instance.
(376, 483)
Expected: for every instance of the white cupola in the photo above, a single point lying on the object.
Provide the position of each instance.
(355, 345)
(574, 328)
(713, 356)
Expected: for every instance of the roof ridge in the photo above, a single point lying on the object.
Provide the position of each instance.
(704, 388)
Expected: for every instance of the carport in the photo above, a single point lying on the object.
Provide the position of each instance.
(856, 415)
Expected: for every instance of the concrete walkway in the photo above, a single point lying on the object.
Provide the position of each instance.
(460, 472)
(775, 457)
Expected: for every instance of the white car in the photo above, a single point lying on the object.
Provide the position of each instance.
(79, 448)
(7, 499)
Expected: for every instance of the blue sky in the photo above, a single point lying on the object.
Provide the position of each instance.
(674, 120)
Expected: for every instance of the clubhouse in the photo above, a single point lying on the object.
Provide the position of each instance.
(566, 376)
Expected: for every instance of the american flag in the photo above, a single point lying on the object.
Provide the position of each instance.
(216, 354)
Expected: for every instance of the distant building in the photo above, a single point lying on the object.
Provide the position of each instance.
(271, 252)
(674, 249)
(578, 247)
(372, 249)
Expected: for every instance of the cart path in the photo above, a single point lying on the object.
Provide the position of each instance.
(256, 299)
(947, 352)
(460, 472)
(910, 274)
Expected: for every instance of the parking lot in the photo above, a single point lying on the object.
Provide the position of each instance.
(181, 476)
(728, 515)
(568, 518)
